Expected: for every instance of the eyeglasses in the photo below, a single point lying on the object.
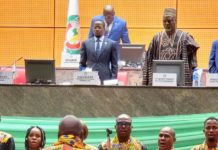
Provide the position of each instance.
(123, 123)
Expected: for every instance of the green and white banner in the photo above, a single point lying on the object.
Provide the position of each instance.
(72, 44)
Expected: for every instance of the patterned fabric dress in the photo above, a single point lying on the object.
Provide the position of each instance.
(90, 147)
(179, 46)
(6, 141)
(204, 147)
(131, 144)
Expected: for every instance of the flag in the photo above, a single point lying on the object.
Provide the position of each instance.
(72, 43)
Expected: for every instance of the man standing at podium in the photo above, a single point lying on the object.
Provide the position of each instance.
(100, 54)
(171, 44)
(115, 27)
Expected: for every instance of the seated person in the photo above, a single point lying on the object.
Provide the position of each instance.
(6, 141)
(35, 138)
(69, 134)
(122, 140)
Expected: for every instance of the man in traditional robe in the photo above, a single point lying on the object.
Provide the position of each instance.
(171, 44)
(122, 140)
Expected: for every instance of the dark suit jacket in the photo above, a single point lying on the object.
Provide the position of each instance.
(118, 30)
(107, 62)
(213, 60)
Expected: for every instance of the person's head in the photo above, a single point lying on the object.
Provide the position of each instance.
(169, 20)
(123, 127)
(108, 13)
(211, 130)
(35, 138)
(70, 125)
(98, 28)
(85, 130)
(166, 138)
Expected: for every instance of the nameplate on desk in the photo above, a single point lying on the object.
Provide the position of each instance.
(212, 80)
(86, 78)
(164, 79)
(6, 77)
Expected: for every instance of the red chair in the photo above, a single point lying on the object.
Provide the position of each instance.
(122, 76)
(20, 77)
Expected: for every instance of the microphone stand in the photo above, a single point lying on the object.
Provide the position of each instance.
(108, 138)
(14, 67)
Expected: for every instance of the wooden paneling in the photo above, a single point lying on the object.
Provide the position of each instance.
(197, 14)
(27, 13)
(204, 37)
(143, 36)
(25, 42)
(137, 13)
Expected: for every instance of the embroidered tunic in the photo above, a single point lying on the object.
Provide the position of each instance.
(179, 46)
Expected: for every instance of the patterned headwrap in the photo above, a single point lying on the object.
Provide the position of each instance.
(71, 140)
(170, 12)
(4, 137)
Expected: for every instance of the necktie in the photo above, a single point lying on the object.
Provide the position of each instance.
(98, 47)
(106, 30)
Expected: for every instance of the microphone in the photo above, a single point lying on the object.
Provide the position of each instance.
(16, 60)
(14, 64)
(108, 132)
(108, 145)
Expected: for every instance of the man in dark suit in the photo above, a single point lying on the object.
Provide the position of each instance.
(213, 60)
(100, 53)
(115, 27)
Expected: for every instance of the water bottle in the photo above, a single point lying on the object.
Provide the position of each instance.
(195, 78)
